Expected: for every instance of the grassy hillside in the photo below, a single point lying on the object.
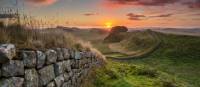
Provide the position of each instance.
(95, 38)
(178, 56)
(40, 39)
(138, 40)
(136, 43)
(175, 64)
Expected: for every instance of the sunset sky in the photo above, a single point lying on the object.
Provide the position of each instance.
(98, 13)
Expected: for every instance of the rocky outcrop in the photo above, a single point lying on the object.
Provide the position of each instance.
(60, 67)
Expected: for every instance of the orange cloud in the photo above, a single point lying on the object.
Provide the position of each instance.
(41, 2)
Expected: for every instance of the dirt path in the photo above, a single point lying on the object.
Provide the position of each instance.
(144, 54)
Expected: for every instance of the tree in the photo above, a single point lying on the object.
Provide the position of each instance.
(116, 34)
(118, 29)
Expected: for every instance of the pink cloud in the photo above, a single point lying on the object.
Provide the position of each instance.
(41, 2)
(193, 4)
(142, 2)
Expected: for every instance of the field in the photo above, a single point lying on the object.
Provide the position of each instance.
(174, 64)
(141, 59)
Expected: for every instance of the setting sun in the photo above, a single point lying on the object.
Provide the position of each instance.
(108, 24)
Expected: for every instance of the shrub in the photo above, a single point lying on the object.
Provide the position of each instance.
(147, 72)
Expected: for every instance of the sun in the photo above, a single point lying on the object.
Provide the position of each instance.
(108, 24)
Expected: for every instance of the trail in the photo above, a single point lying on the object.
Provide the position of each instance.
(144, 54)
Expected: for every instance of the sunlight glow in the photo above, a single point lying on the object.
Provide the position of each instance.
(109, 24)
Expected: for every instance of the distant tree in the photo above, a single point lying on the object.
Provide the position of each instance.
(116, 34)
(118, 29)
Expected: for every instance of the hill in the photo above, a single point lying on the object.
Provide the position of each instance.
(174, 64)
(191, 32)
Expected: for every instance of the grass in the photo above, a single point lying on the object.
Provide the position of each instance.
(40, 39)
(139, 40)
(118, 74)
(133, 44)
(178, 56)
(175, 64)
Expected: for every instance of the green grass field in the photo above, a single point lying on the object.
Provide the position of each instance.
(175, 64)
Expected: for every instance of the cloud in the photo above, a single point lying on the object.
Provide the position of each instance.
(156, 2)
(132, 16)
(193, 4)
(41, 2)
(196, 14)
(163, 15)
(143, 2)
(90, 14)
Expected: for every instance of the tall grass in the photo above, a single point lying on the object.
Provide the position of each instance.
(40, 39)
(36, 39)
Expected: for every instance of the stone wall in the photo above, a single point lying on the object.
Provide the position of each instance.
(60, 67)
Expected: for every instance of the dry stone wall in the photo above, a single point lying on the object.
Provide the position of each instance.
(60, 67)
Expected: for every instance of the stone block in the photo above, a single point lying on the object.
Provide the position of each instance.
(41, 58)
(75, 64)
(13, 68)
(66, 53)
(72, 53)
(51, 56)
(46, 75)
(67, 84)
(59, 68)
(31, 78)
(7, 52)
(29, 58)
(51, 84)
(66, 76)
(59, 81)
(12, 82)
(67, 65)
(77, 55)
(60, 54)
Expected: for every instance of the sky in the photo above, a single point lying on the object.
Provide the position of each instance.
(102, 13)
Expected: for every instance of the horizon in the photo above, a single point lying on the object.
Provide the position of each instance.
(131, 28)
